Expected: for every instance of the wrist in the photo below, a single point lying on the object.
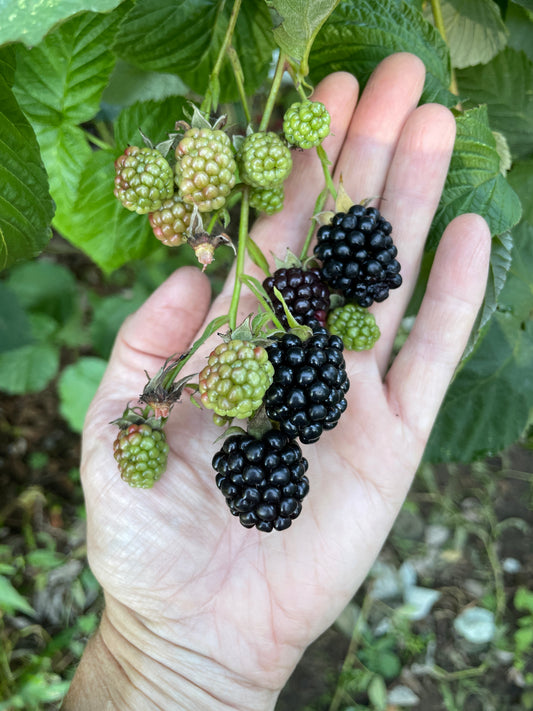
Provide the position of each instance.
(126, 666)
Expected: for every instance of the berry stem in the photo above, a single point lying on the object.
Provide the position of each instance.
(274, 88)
(210, 101)
(321, 153)
(98, 142)
(239, 80)
(296, 81)
(241, 254)
(319, 206)
(436, 9)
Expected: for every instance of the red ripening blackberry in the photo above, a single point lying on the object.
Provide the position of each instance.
(304, 292)
(358, 255)
(263, 479)
(307, 394)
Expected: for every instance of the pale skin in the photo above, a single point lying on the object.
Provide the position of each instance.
(201, 613)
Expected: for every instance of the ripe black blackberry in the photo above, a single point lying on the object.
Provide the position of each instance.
(358, 255)
(263, 480)
(304, 292)
(307, 394)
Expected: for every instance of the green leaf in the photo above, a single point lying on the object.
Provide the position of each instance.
(517, 296)
(26, 208)
(156, 119)
(108, 233)
(11, 600)
(65, 151)
(528, 4)
(15, 329)
(500, 261)
(59, 84)
(505, 84)
(128, 85)
(488, 404)
(377, 693)
(44, 559)
(7, 64)
(77, 386)
(523, 600)
(44, 287)
(167, 35)
(108, 315)
(28, 369)
(29, 24)
(475, 31)
(474, 182)
(299, 24)
(360, 33)
(253, 43)
(519, 22)
(521, 180)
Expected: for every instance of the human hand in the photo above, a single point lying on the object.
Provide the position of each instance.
(200, 612)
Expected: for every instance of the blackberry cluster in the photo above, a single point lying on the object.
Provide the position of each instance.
(264, 160)
(267, 200)
(263, 480)
(143, 179)
(171, 221)
(308, 391)
(358, 255)
(141, 453)
(235, 379)
(304, 292)
(205, 168)
(355, 325)
(306, 124)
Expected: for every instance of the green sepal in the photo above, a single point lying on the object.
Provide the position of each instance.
(303, 332)
(291, 261)
(257, 256)
(234, 429)
(139, 416)
(259, 424)
(252, 330)
(260, 294)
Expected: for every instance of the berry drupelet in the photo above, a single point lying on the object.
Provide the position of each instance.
(307, 394)
(358, 255)
(304, 292)
(262, 479)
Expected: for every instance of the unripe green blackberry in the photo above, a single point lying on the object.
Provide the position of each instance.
(171, 221)
(235, 379)
(205, 168)
(141, 452)
(355, 325)
(264, 160)
(306, 124)
(143, 179)
(267, 200)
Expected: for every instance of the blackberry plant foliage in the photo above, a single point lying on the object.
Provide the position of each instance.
(185, 173)
(277, 380)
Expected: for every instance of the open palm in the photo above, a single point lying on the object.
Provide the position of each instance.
(186, 586)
